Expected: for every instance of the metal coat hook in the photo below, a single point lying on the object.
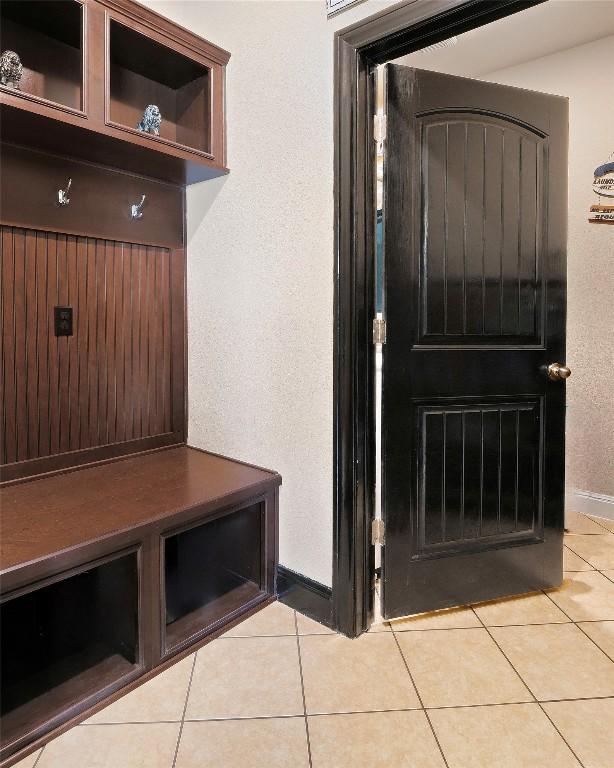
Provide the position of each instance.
(63, 198)
(135, 209)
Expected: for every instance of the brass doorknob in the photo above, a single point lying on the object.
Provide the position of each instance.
(558, 372)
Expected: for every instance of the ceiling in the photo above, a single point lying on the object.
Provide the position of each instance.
(539, 31)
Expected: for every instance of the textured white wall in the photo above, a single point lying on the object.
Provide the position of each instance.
(584, 74)
(260, 261)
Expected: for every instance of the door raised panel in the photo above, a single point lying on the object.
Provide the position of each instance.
(475, 203)
(481, 237)
(478, 475)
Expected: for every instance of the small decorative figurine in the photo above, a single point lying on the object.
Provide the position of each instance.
(151, 120)
(10, 69)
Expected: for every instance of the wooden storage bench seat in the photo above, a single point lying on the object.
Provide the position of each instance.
(109, 571)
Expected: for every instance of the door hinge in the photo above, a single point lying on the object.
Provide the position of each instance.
(379, 330)
(379, 128)
(378, 530)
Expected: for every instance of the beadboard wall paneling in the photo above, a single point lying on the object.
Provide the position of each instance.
(118, 380)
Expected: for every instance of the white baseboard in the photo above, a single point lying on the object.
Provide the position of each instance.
(589, 503)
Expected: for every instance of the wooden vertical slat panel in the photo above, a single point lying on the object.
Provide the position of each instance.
(31, 323)
(454, 475)
(9, 432)
(132, 347)
(166, 338)
(474, 230)
(528, 239)
(455, 226)
(143, 390)
(111, 341)
(2, 364)
(493, 201)
(528, 430)
(120, 335)
(433, 478)
(158, 420)
(509, 469)
(129, 283)
(137, 280)
(82, 340)
(91, 430)
(472, 475)
(152, 259)
(510, 256)
(121, 375)
(69, 354)
(177, 335)
(102, 351)
(490, 473)
(53, 271)
(43, 330)
(434, 259)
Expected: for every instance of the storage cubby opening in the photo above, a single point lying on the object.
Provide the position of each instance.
(144, 72)
(66, 641)
(47, 36)
(212, 570)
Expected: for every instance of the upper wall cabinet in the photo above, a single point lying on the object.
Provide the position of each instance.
(48, 37)
(112, 82)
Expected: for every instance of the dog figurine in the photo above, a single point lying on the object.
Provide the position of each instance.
(151, 120)
(11, 69)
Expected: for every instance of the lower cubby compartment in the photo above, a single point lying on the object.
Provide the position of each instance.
(185, 545)
(210, 571)
(65, 642)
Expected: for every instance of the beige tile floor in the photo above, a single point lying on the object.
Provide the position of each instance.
(526, 682)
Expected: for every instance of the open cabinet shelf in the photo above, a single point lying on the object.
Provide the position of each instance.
(66, 642)
(210, 571)
(143, 71)
(184, 545)
(47, 35)
(91, 67)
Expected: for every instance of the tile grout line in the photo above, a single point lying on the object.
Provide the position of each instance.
(249, 637)
(580, 556)
(577, 624)
(596, 521)
(300, 667)
(569, 532)
(185, 707)
(40, 754)
(426, 714)
(539, 704)
(603, 573)
(348, 712)
(432, 629)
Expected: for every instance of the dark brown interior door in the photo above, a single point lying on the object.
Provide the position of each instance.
(473, 428)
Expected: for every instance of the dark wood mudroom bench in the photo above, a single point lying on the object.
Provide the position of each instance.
(110, 571)
(121, 549)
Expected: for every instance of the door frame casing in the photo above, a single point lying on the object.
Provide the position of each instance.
(358, 49)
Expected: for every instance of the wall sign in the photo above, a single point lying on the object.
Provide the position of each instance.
(333, 7)
(603, 186)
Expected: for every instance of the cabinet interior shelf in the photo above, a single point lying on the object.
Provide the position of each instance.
(89, 71)
(48, 38)
(143, 72)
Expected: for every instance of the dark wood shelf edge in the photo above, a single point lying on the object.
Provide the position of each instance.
(187, 629)
(80, 552)
(89, 686)
(15, 474)
(104, 700)
(80, 140)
